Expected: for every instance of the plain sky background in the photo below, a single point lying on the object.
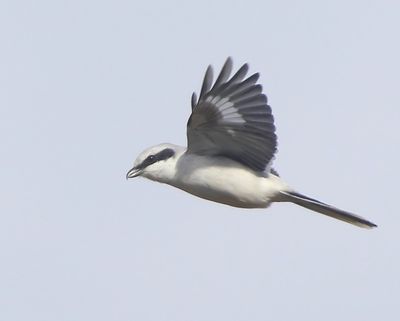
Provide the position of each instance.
(86, 85)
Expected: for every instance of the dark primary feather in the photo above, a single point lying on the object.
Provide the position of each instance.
(231, 118)
(208, 78)
(224, 74)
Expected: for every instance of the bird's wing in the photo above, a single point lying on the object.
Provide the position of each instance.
(231, 118)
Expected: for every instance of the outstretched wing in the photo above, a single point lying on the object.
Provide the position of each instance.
(231, 118)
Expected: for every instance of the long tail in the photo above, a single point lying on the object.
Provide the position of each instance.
(326, 209)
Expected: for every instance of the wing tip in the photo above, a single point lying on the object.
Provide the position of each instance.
(194, 100)
(229, 61)
(207, 81)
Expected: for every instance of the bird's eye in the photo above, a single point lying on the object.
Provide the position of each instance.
(151, 158)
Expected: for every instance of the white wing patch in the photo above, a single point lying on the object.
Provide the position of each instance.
(230, 114)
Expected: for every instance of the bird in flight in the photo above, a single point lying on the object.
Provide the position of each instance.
(231, 145)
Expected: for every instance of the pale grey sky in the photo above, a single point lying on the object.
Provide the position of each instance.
(86, 85)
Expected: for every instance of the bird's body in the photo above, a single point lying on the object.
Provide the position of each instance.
(218, 179)
(225, 181)
(231, 146)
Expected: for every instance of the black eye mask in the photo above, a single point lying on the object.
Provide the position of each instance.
(151, 159)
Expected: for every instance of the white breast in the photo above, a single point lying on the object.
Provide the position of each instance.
(224, 181)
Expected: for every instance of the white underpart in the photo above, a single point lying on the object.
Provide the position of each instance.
(221, 180)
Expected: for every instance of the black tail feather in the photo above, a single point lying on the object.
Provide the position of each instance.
(317, 206)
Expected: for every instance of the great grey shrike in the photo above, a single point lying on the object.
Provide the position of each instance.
(231, 145)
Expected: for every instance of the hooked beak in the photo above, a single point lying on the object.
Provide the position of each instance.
(134, 172)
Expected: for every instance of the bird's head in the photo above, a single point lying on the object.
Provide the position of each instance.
(156, 163)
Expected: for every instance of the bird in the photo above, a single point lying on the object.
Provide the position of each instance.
(231, 144)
